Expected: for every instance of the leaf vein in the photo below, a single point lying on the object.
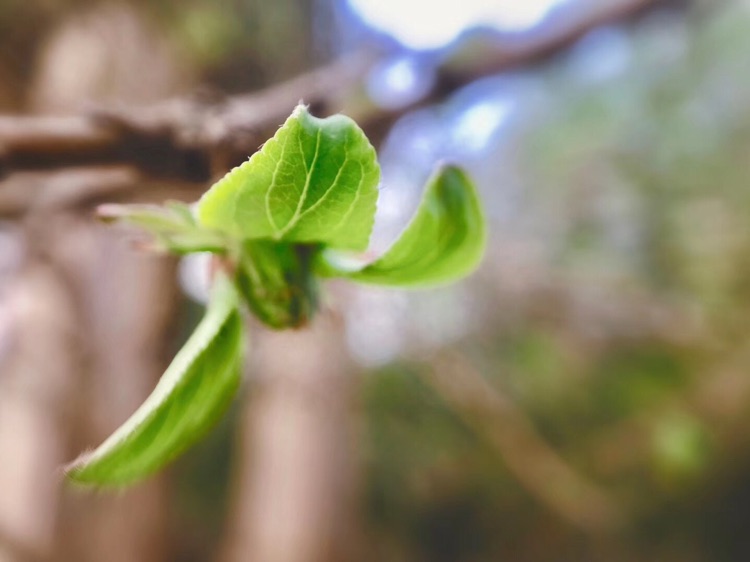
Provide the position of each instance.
(303, 196)
(353, 204)
(270, 189)
(331, 187)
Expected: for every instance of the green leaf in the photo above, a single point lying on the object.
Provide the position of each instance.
(444, 241)
(190, 397)
(315, 181)
(173, 226)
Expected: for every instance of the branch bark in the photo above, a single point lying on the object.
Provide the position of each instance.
(194, 139)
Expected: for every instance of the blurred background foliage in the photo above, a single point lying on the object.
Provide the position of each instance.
(611, 313)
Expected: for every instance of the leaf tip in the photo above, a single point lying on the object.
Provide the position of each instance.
(448, 168)
(72, 471)
(301, 109)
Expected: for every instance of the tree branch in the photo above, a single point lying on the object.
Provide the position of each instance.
(178, 139)
(195, 139)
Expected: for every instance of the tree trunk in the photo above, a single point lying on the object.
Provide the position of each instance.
(295, 475)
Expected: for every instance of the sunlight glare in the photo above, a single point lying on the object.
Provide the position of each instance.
(476, 126)
(426, 24)
(399, 82)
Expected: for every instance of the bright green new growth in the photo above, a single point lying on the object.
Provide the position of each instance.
(279, 220)
(192, 394)
(315, 181)
(444, 241)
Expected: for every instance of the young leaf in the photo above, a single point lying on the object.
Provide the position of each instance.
(444, 241)
(173, 226)
(191, 395)
(315, 181)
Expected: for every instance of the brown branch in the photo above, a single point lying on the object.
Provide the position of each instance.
(562, 32)
(178, 139)
(511, 54)
(195, 139)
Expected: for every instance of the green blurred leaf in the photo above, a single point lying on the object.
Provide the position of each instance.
(315, 181)
(444, 241)
(173, 226)
(681, 446)
(190, 397)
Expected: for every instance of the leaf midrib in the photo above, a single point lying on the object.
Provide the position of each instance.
(303, 197)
